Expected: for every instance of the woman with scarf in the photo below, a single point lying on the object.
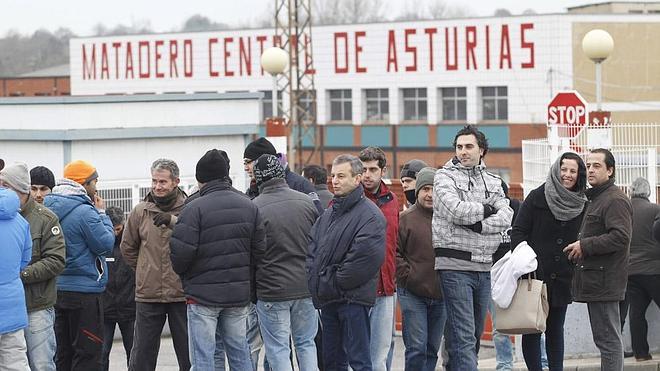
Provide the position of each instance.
(549, 219)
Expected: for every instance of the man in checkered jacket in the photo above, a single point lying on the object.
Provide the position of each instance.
(470, 211)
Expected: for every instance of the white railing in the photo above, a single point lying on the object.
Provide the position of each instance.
(636, 149)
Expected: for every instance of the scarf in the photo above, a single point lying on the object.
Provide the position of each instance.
(564, 204)
(167, 202)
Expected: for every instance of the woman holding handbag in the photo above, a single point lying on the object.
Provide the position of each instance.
(549, 219)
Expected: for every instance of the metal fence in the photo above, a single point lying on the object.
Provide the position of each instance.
(127, 194)
(636, 148)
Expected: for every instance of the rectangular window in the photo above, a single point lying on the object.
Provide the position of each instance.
(494, 103)
(414, 104)
(341, 102)
(267, 103)
(378, 105)
(454, 104)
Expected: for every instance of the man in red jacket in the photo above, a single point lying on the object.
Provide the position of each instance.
(382, 314)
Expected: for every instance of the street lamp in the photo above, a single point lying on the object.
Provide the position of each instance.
(274, 61)
(597, 46)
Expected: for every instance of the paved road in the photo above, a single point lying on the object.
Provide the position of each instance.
(167, 358)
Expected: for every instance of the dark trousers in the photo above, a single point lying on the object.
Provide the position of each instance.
(554, 342)
(641, 290)
(346, 333)
(126, 327)
(149, 322)
(78, 331)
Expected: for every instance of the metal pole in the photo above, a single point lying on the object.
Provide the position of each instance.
(598, 85)
(274, 100)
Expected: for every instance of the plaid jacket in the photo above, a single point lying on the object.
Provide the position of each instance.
(459, 194)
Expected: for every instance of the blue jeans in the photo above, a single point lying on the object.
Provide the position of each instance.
(203, 323)
(219, 354)
(40, 339)
(503, 346)
(467, 298)
(280, 321)
(346, 332)
(554, 342)
(381, 318)
(423, 326)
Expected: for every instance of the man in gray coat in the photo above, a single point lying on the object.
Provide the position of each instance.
(284, 304)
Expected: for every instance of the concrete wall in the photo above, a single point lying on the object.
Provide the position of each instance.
(577, 331)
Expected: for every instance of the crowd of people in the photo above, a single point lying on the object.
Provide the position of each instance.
(312, 277)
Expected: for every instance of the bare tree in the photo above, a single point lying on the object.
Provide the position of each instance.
(347, 11)
(529, 11)
(199, 22)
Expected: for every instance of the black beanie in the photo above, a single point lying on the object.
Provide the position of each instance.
(259, 147)
(211, 166)
(41, 175)
(267, 167)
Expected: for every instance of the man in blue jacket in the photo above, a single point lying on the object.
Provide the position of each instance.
(14, 257)
(346, 251)
(89, 238)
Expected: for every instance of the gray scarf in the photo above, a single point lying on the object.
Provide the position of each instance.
(564, 204)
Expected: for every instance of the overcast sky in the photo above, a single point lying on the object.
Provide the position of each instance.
(26, 16)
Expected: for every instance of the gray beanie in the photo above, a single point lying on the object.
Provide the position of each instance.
(17, 176)
(411, 168)
(640, 188)
(424, 178)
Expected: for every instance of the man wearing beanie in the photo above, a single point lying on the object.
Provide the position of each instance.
(48, 253)
(145, 246)
(42, 183)
(407, 178)
(89, 237)
(284, 304)
(418, 286)
(253, 151)
(211, 250)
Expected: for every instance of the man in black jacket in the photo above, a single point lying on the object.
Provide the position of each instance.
(284, 305)
(119, 295)
(211, 250)
(346, 251)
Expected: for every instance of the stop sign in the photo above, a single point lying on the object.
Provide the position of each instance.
(568, 109)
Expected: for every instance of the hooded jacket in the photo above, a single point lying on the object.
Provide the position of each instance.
(14, 257)
(89, 238)
(389, 206)
(146, 249)
(48, 256)
(459, 196)
(346, 251)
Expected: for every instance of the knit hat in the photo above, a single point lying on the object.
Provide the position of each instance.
(411, 168)
(211, 166)
(17, 176)
(424, 178)
(80, 171)
(41, 175)
(259, 147)
(267, 167)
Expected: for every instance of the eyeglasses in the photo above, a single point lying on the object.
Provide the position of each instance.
(247, 161)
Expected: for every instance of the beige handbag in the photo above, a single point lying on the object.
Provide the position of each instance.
(528, 310)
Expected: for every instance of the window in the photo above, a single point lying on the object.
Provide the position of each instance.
(454, 104)
(341, 105)
(378, 105)
(267, 103)
(414, 104)
(494, 103)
